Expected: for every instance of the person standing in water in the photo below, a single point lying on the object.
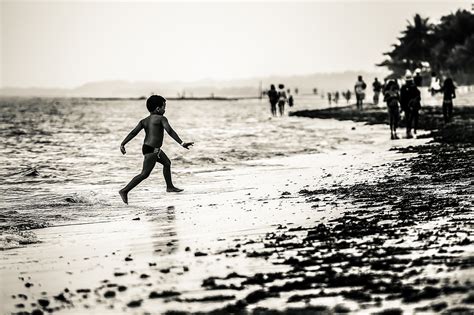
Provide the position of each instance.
(359, 89)
(273, 98)
(281, 98)
(336, 97)
(329, 98)
(348, 96)
(376, 87)
(449, 93)
(291, 101)
(154, 125)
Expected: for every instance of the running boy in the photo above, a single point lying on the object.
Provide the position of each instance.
(154, 126)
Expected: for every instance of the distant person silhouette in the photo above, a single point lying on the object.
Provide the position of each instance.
(418, 79)
(154, 125)
(348, 96)
(336, 97)
(329, 98)
(410, 98)
(449, 93)
(291, 101)
(435, 85)
(281, 98)
(273, 98)
(376, 87)
(359, 89)
(392, 98)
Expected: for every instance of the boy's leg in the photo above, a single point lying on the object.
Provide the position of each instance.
(149, 161)
(165, 161)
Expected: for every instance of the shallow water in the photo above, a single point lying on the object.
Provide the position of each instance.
(60, 158)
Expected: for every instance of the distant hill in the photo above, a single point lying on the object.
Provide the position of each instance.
(229, 88)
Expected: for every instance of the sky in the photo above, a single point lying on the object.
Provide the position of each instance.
(68, 43)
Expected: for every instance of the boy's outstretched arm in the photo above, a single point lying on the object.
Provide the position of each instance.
(174, 135)
(130, 136)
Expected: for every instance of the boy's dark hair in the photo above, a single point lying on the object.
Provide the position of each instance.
(154, 102)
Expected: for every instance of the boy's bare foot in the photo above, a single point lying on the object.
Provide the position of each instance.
(173, 189)
(124, 196)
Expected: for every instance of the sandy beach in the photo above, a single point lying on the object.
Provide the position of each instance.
(358, 229)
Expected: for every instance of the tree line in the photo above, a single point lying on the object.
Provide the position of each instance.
(446, 48)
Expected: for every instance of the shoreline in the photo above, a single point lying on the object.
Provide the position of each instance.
(351, 231)
(431, 117)
(245, 209)
(197, 98)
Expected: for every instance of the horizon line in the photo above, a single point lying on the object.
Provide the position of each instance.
(189, 81)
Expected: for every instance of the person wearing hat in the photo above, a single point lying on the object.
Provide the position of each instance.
(410, 98)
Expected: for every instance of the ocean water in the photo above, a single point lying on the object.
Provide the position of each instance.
(61, 163)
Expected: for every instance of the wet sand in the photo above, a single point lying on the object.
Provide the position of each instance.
(383, 228)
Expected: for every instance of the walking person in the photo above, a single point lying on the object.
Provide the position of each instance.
(392, 98)
(359, 89)
(410, 97)
(329, 98)
(281, 98)
(273, 98)
(376, 87)
(449, 93)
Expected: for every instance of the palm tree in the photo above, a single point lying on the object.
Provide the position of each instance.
(415, 42)
(453, 31)
(413, 47)
(446, 48)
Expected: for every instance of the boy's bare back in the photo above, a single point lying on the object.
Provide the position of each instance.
(154, 126)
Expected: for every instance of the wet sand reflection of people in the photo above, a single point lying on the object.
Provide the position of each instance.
(273, 99)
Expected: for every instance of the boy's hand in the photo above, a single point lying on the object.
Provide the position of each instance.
(122, 149)
(186, 145)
